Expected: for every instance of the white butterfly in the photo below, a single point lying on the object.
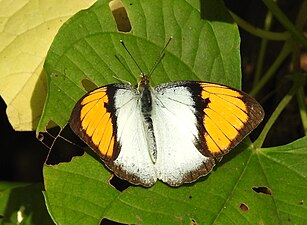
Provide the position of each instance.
(173, 132)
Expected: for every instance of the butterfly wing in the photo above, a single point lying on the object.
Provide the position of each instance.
(109, 120)
(196, 122)
(229, 116)
(93, 120)
(177, 136)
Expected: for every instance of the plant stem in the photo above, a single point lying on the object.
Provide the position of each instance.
(271, 71)
(283, 103)
(275, 36)
(263, 47)
(300, 96)
(283, 19)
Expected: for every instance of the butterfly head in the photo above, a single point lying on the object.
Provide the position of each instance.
(144, 82)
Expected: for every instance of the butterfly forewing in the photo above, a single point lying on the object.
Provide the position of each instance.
(229, 116)
(93, 120)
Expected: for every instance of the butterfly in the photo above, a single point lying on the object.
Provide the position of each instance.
(174, 132)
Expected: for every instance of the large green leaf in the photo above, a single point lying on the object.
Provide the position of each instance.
(257, 186)
(78, 192)
(88, 47)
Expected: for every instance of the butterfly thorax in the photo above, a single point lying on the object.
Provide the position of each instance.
(145, 93)
(143, 83)
(144, 89)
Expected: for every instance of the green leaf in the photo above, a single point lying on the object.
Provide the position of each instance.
(271, 183)
(88, 47)
(281, 171)
(22, 204)
(78, 192)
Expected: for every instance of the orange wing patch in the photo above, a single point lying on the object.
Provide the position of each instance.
(92, 121)
(230, 115)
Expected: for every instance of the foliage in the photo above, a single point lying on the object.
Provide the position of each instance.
(251, 185)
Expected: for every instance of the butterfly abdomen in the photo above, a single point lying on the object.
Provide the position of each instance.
(146, 102)
(146, 109)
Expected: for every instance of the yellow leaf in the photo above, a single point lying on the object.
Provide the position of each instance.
(27, 28)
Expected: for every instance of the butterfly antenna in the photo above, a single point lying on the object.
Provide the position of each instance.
(122, 80)
(160, 57)
(123, 44)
